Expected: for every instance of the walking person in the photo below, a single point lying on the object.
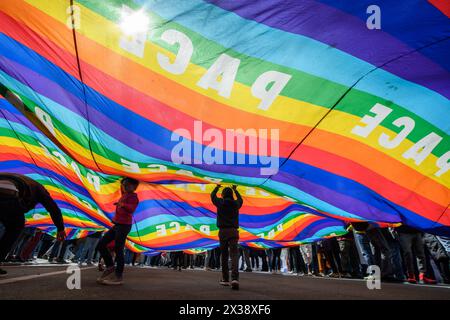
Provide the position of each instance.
(228, 224)
(276, 260)
(412, 243)
(123, 220)
(177, 260)
(86, 254)
(439, 255)
(18, 195)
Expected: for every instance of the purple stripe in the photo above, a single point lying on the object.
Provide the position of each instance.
(53, 91)
(344, 32)
(321, 225)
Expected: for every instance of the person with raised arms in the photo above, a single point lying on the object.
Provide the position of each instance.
(228, 224)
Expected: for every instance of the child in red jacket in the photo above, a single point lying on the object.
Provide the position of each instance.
(123, 220)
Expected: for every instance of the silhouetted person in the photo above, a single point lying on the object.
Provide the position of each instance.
(123, 219)
(228, 224)
(18, 195)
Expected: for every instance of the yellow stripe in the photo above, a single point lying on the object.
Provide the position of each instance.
(285, 109)
(93, 26)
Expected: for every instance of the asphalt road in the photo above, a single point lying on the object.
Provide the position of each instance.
(49, 282)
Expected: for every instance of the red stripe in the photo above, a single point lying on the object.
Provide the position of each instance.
(128, 97)
(442, 5)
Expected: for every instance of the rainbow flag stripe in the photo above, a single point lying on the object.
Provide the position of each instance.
(357, 93)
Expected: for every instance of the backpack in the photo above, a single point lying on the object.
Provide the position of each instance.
(23, 198)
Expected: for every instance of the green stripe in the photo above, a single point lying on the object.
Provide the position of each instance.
(302, 87)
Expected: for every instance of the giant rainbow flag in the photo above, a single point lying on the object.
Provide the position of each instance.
(323, 112)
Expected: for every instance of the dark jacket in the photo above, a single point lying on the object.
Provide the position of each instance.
(31, 193)
(360, 226)
(227, 210)
(406, 229)
(436, 249)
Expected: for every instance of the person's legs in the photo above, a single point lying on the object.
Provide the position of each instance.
(418, 245)
(306, 259)
(13, 224)
(344, 248)
(406, 245)
(302, 264)
(397, 260)
(54, 250)
(279, 259)
(224, 253)
(180, 259)
(443, 265)
(217, 258)
(62, 252)
(91, 243)
(246, 252)
(265, 265)
(354, 260)
(321, 266)
(234, 255)
(364, 250)
(88, 249)
(102, 247)
(272, 260)
(293, 260)
(314, 260)
(27, 253)
(276, 262)
(241, 258)
(119, 245)
(80, 252)
(18, 245)
(208, 259)
(174, 259)
(46, 244)
(379, 241)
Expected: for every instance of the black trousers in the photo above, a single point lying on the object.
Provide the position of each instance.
(229, 238)
(296, 260)
(177, 257)
(276, 259)
(13, 220)
(118, 233)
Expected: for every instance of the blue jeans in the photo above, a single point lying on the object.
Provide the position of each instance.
(88, 249)
(397, 260)
(364, 250)
(118, 233)
(79, 251)
(379, 239)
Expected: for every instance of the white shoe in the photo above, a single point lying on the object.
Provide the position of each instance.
(224, 283)
(370, 277)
